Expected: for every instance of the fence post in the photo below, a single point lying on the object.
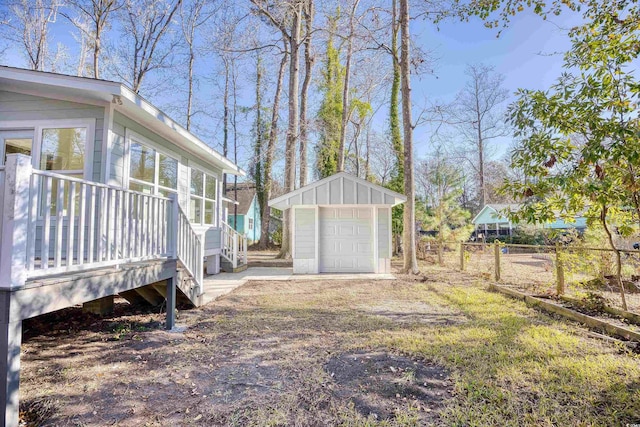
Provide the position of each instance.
(461, 256)
(15, 221)
(496, 251)
(173, 225)
(559, 271)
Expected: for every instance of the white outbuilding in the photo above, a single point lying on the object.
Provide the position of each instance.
(341, 224)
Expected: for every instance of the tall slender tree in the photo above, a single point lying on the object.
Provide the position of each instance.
(146, 23)
(397, 178)
(191, 18)
(271, 147)
(478, 115)
(346, 107)
(287, 16)
(259, 131)
(93, 18)
(331, 106)
(309, 59)
(28, 29)
(409, 232)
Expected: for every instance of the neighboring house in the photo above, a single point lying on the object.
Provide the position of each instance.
(244, 216)
(340, 224)
(492, 221)
(100, 194)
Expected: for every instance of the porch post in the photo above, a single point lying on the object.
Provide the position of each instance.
(171, 303)
(173, 226)
(15, 221)
(10, 340)
(235, 250)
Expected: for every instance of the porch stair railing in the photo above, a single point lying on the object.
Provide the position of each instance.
(189, 247)
(234, 245)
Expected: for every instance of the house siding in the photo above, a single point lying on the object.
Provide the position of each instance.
(305, 233)
(490, 216)
(384, 233)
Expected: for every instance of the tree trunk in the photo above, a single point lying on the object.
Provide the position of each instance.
(271, 148)
(190, 95)
(308, 68)
(483, 191)
(603, 221)
(225, 121)
(96, 57)
(292, 130)
(346, 108)
(394, 113)
(258, 147)
(409, 232)
(234, 124)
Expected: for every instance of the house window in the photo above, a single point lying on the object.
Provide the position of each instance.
(152, 172)
(202, 203)
(250, 224)
(62, 150)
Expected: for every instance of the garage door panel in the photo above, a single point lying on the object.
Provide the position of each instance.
(347, 230)
(327, 231)
(344, 213)
(364, 230)
(363, 248)
(364, 213)
(346, 243)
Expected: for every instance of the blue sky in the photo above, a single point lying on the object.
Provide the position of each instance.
(527, 53)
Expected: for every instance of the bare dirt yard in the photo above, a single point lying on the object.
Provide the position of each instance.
(437, 349)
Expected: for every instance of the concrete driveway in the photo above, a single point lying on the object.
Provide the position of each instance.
(223, 283)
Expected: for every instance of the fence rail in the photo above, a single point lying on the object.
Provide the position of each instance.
(574, 270)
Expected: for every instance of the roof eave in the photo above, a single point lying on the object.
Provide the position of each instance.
(126, 99)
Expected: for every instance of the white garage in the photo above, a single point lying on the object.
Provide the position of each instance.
(341, 224)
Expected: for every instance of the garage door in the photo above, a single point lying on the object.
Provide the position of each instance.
(346, 240)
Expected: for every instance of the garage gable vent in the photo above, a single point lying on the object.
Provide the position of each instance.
(339, 189)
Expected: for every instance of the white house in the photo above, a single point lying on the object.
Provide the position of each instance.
(100, 194)
(340, 224)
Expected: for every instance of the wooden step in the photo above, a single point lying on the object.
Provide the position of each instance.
(227, 267)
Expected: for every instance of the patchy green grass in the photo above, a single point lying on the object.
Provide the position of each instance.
(438, 350)
(514, 366)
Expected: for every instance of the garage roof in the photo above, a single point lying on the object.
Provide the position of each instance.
(339, 189)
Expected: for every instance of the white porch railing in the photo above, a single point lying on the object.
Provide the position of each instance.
(234, 245)
(54, 224)
(76, 224)
(190, 248)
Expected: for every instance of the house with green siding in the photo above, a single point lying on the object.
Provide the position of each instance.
(244, 210)
(492, 220)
